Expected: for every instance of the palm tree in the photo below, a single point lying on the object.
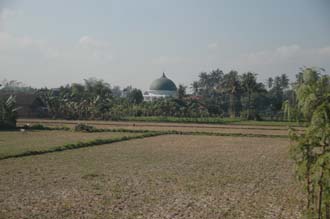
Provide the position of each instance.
(195, 87)
(231, 86)
(270, 82)
(249, 86)
(284, 81)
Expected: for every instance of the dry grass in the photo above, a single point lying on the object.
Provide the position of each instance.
(200, 129)
(15, 142)
(159, 177)
(166, 124)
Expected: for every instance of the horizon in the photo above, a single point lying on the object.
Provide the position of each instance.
(132, 43)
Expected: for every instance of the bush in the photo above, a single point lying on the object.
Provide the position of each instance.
(81, 127)
(36, 127)
(42, 127)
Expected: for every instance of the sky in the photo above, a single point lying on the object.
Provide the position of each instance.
(129, 42)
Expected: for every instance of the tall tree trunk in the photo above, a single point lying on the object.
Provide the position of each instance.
(320, 200)
(249, 106)
(320, 193)
(232, 106)
(310, 189)
(327, 211)
(309, 194)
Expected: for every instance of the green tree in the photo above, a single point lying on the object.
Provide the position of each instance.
(312, 150)
(195, 87)
(13, 86)
(135, 96)
(277, 95)
(95, 87)
(181, 92)
(209, 87)
(284, 81)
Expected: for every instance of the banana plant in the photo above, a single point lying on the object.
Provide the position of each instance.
(312, 149)
(8, 112)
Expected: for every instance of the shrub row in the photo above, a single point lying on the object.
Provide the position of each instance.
(42, 127)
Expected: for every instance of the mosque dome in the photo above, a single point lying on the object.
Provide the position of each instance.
(163, 84)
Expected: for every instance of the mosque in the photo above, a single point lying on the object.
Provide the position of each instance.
(161, 88)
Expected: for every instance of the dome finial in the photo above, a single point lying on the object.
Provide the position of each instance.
(164, 76)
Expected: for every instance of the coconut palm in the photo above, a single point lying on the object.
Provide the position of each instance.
(195, 87)
(250, 86)
(270, 82)
(232, 87)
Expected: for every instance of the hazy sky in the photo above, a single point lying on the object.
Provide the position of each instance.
(131, 42)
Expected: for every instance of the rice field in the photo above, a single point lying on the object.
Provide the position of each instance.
(167, 176)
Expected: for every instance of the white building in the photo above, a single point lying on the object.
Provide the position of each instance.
(160, 88)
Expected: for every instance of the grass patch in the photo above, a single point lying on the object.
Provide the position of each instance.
(17, 142)
(33, 146)
(227, 134)
(205, 120)
(34, 141)
(269, 123)
(72, 146)
(123, 130)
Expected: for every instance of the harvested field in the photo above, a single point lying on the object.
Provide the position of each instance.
(160, 177)
(15, 142)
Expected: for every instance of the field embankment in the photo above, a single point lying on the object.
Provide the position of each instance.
(242, 129)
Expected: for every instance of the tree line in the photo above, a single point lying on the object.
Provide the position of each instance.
(214, 94)
(234, 95)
